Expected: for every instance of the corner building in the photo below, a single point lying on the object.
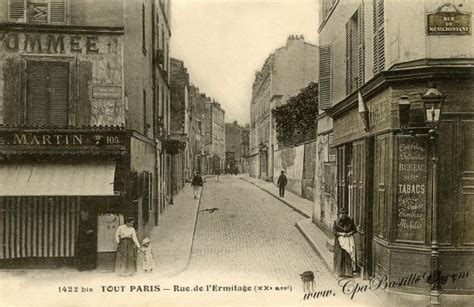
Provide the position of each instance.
(79, 116)
(384, 50)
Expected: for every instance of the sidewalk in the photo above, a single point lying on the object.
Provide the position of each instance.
(172, 239)
(301, 205)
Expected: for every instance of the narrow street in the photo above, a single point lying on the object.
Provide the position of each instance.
(244, 236)
(251, 236)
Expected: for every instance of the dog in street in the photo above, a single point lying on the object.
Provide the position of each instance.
(308, 281)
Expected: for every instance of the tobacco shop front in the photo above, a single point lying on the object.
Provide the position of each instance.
(408, 186)
(48, 176)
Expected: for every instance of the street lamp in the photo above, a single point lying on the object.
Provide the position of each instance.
(432, 104)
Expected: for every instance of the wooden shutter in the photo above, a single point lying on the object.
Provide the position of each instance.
(379, 36)
(12, 91)
(325, 66)
(348, 59)
(360, 47)
(37, 91)
(57, 11)
(83, 104)
(16, 10)
(58, 93)
(78, 15)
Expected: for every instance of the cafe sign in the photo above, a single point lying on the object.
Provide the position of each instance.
(448, 20)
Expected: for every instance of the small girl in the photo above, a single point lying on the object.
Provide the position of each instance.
(147, 255)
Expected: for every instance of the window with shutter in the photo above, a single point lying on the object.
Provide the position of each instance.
(355, 52)
(58, 77)
(57, 11)
(361, 47)
(325, 67)
(37, 93)
(348, 60)
(38, 11)
(379, 36)
(47, 93)
(16, 10)
(77, 11)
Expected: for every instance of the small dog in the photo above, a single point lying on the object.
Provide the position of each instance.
(308, 281)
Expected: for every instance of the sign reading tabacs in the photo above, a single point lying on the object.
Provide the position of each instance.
(448, 20)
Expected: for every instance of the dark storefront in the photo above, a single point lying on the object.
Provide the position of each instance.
(48, 175)
(385, 176)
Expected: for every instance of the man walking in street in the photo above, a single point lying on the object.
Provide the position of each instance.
(196, 184)
(281, 183)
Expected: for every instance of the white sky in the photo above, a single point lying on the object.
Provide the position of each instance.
(224, 42)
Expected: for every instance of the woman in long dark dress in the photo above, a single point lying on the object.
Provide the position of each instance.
(86, 243)
(345, 260)
(126, 259)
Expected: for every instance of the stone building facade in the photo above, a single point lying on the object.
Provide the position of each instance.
(285, 72)
(236, 146)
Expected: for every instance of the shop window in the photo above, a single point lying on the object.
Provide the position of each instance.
(47, 93)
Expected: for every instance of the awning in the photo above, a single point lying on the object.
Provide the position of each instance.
(85, 179)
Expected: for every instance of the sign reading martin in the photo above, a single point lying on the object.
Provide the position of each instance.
(448, 20)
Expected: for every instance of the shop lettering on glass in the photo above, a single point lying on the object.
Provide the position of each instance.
(412, 188)
(49, 43)
(60, 139)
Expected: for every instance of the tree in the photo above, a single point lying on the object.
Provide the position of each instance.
(296, 121)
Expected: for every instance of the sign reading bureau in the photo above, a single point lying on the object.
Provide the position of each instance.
(411, 189)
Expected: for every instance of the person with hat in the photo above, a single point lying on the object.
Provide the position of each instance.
(126, 258)
(345, 260)
(196, 183)
(281, 183)
(147, 255)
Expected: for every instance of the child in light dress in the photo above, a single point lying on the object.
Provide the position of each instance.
(147, 255)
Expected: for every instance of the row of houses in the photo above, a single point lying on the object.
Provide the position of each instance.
(94, 115)
(394, 136)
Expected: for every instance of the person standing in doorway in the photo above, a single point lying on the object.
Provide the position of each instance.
(126, 238)
(281, 183)
(196, 183)
(345, 260)
(86, 244)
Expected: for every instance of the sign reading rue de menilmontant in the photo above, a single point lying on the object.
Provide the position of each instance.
(449, 22)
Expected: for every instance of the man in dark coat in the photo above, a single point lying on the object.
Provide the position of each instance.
(196, 184)
(281, 183)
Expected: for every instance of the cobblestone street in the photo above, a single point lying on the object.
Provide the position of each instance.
(251, 234)
(250, 239)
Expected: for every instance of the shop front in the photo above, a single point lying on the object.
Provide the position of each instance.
(49, 178)
(406, 185)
